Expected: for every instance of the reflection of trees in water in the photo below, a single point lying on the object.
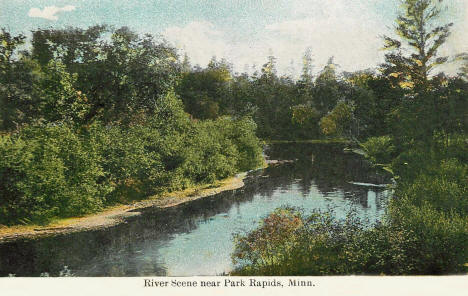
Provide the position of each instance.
(116, 251)
(328, 168)
(112, 251)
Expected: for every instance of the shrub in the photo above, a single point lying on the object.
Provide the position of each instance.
(219, 148)
(379, 149)
(339, 122)
(443, 187)
(440, 240)
(48, 171)
(130, 166)
(289, 243)
(242, 133)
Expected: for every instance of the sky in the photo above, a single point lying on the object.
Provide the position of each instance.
(244, 32)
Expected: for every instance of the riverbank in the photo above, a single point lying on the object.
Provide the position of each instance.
(114, 215)
(313, 141)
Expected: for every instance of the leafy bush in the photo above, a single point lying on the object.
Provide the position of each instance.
(443, 187)
(130, 166)
(221, 148)
(290, 243)
(268, 248)
(379, 149)
(440, 240)
(49, 171)
(339, 122)
(421, 158)
(212, 154)
(242, 134)
(451, 146)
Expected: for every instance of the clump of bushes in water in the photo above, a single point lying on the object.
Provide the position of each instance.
(60, 170)
(291, 243)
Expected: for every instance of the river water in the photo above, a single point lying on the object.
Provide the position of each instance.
(196, 238)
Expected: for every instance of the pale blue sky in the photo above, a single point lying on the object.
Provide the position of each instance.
(244, 31)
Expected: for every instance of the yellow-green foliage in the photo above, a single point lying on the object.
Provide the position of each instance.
(339, 121)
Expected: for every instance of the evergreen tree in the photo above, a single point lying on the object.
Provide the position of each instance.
(327, 88)
(306, 76)
(269, 68)
(186, 66)
(421, 34)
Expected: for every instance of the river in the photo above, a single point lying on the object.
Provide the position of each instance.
(196, 238)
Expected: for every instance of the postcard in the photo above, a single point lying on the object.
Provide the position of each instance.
(233, 146)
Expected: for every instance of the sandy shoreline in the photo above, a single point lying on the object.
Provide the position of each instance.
(115, 215)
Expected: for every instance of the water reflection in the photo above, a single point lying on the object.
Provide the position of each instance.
(196, 238)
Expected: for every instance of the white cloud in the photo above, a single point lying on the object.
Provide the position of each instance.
(199, 39)
(458, 41)
(349, 31)
(354, 44)
(49, 12)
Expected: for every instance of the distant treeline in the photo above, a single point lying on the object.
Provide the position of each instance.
(351, 105)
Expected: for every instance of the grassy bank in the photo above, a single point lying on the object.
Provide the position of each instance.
(116, 214)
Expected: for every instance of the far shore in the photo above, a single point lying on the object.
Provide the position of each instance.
(114, 215)
(310, 141)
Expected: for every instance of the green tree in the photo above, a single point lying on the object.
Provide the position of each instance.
(121, 73)
(269, 68)
(421, 34)
(327, 88)
(206, 92)
(339, 122)
(306, 118)
(16, 79)
(55, 96)
(304, 115)
(307, 67)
